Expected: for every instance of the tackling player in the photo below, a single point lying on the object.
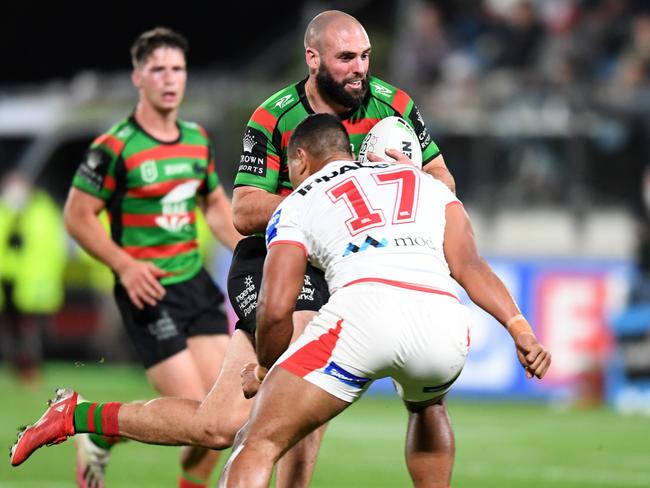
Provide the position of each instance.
(393, 311)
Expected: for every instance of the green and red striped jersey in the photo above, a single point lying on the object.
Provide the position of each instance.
(263, 162)
(150, 188)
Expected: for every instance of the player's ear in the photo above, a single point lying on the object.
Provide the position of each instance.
(312, 58)
(302, 162)
(136, 79)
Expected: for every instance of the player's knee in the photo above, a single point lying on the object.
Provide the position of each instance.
(216, 434)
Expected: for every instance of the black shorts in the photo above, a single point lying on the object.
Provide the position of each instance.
(191, 308)
(245, 279)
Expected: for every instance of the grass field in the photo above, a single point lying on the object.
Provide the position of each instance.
(498, 444)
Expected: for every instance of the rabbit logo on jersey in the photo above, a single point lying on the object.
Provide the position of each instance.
(174, 206)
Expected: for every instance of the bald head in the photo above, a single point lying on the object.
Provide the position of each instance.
(330, 24)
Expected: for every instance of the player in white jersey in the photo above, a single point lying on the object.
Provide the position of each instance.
(389, 238)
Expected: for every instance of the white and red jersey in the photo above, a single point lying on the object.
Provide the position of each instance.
(369, 222)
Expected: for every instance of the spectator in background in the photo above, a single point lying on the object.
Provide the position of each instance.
(428, 45)
(518, 37)
(32, 261)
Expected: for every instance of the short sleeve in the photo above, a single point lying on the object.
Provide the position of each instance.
(96, 173)
(284, 227)
(259, 162)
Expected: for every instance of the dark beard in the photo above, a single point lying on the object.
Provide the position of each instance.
(335, 91)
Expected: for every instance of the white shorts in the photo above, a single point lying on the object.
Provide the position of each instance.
(370, 331)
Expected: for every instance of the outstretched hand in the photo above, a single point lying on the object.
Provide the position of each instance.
(398, 156)
(533, 357)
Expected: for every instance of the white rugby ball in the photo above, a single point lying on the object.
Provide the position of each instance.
(392, 133)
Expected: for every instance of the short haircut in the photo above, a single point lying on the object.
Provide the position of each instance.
(320, 135)
(149, 41)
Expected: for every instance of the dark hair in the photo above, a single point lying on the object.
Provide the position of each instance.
(320, 135)
(149, 41)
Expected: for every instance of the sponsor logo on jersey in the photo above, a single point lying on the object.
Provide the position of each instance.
(284, 101)
(175, 216)
(248, 142)
(149, 171)
(418, 116)
(341, 170)
(402, 241)
(125, 132)
(178, 168)
(367, 243)
(381, 90)
(95, 166)
(94, 160)
(344, 376)
(272, 226)
(420, 128)
(414, 241)
(253, 157)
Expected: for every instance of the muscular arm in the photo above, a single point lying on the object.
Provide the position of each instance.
(82, 222)
(284, 269)
(252, 208)
(471, 271)
(438, 169)
(80, 216)
(218, 214)
(485, 289)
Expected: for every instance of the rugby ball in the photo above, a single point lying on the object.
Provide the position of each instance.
(392, 133)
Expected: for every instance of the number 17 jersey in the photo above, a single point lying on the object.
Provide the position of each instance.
(369, 222)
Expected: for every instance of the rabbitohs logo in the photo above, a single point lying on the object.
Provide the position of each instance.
(174, 206)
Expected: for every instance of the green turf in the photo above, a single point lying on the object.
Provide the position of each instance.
(498, 444)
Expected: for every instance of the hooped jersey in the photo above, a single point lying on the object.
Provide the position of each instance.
(150, 188)
(263, 161)
(369, 222)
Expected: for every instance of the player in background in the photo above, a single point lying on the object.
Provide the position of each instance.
(337, 53)
(152, 171)
(393, 311)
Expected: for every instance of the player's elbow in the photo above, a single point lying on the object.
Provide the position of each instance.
(465, 272)
(241, 222)
(72, 215)
(273, 316)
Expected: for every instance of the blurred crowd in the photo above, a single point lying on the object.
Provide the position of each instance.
(544, 43)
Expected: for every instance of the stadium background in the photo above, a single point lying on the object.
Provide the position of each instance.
(541, 109)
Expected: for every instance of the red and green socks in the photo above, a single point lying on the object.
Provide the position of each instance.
(186, 480)
(97, 418)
